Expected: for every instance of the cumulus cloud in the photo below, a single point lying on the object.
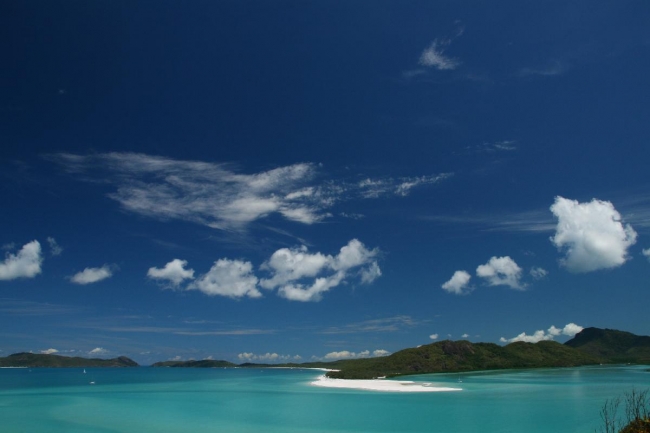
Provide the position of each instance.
(49, 351)
(92, 275)
(434, 56)
(218, 196)
(570, 330)
(55, 248)
(25, 264)
(458, 284)
(267, 357)
(591, 235)
(98, 351)
(345, 354)
(538, 273)
(501, 271)
(231, 278)
(303, 276)
(174, 272)
(646, 253)
(465, 336)
(433, 336)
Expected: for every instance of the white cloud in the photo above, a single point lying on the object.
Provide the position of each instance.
(345, 354)
(216, 195)
(231, 278)
(646, 253)
(25, 264)
(92, 275)
(303, 276)
(591, 235)
(371, 273)
(434, 56)
(49, 351)
(55, 248)
(174, 272)
(458, 283)
(98, 351)
(501, 271)
(538, 273)
(267, 357)
(570, 330)
(433, 336)
(464, 336)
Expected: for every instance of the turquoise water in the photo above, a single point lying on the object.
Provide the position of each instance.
(277, 400)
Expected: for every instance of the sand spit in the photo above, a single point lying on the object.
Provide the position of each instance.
(381, 385)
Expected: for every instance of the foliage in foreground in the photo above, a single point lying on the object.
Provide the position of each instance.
(636, 413)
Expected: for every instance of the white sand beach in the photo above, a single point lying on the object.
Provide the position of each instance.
(380, 385)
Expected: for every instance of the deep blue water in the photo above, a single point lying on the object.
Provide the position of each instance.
(278, 400)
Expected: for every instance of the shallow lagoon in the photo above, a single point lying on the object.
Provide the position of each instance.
(282, 400)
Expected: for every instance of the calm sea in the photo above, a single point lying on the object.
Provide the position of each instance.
(170, 400)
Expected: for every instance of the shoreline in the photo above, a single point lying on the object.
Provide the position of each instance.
(380, 385)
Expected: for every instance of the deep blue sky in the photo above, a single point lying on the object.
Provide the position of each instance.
(324, 168)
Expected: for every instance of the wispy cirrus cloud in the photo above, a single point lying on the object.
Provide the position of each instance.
(219, 196)
(535, 221)
(18, 307)
(550, 69)
(387, 324)
(434, 56)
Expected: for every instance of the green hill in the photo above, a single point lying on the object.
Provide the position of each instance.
(40, 360)
(612, 346)
(205, 363)
(458, 356)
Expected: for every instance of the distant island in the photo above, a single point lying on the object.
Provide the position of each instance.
(35, 360)
(591, 346)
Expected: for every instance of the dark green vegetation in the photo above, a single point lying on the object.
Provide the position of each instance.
(40, 360)
(591, 346)
(205, 363)
(613, 346)
(636, 414)
(459, 356)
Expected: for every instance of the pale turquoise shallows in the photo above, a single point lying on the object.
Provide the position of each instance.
(169, 400)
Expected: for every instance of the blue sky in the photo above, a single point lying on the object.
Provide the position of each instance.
(288, 180)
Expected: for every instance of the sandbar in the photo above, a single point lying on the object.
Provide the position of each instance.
(381, 385)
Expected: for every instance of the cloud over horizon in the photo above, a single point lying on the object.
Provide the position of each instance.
(345, 354)
(570, 330)
(591, 235)
(267, 357)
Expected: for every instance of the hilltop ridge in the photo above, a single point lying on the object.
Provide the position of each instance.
(26, 359)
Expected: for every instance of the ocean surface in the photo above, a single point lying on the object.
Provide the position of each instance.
(167, 400)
